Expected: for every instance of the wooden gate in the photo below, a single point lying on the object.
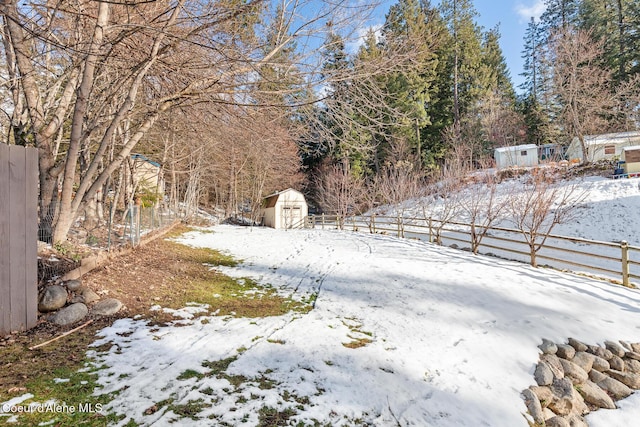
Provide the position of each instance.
(18, 238)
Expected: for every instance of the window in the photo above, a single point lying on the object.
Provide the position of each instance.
(523, 153)
(609, 149)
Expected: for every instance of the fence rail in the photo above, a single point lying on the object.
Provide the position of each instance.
(617, 261)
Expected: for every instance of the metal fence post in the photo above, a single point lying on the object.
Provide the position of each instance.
(624, 246)
(373, 223)
(430, 230)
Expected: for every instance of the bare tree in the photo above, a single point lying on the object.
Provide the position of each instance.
(543, 202)
(339, 191)
(589, 103)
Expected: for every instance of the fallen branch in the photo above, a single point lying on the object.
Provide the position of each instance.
(61, 336)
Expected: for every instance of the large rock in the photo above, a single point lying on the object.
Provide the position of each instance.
(584, 360)
(635, 347)
(617, 363)
(600, 364)
(52, 298)
(632, 355)
(73, 285)
(595, 395)
(627, 378)
(615, 348)
(632, 366)
(88, 295)
(578, 345)
(106, 307)
(548, 347)
(565, 351)
(543, 374)
(577, 421)
(597, 376)
(564, 397)
(614, 388)
(600, 352)
(70, 314)
(574, 372)
(554, 364)
(557, 422)
(533, 406)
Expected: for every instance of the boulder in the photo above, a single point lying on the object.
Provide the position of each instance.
(614, 388)
(548, 347)
(52, 298)
(70, 314)
(554, 364)
(565, 351)
(632, 365)
(579, 346)
(574, 372)
(543, 374)
(595, 395)
(632, 355)
(617, 363)
(563, 398)
(600, 352)
(73, 285)
(533, 406)
(577, 421)
(615, 348)
(88, 295)
(597, 376)
(106, 307)
(635, 347)
(600, 364)
(543, 393)
(557, 422)
(627, 378)
(584, 360)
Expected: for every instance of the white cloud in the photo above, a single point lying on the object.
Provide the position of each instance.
(535, 10)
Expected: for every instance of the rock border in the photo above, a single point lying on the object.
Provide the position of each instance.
(574, 379)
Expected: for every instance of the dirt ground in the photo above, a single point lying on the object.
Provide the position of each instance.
(127, 278)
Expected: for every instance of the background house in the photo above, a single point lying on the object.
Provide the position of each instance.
(285, 209)
(144, 176)
(518, 155)
(602, 147)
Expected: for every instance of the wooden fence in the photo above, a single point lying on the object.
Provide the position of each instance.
(617, 261)
(18, 238)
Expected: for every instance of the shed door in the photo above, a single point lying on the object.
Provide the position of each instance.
(291, 216)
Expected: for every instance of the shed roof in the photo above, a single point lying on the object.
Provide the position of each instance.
(516, 148)
(271, 200)
(612, 138)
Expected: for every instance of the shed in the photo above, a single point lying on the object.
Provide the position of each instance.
(631, 158)
(284, 209)
(602, 147)
(144, 174)
(518, 155)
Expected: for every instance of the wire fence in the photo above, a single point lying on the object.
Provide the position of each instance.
(112, 230)
(616, 261)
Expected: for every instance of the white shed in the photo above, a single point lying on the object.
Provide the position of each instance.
(605, 146)
(518, 155)
(285, 209)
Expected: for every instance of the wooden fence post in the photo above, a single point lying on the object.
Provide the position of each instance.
(373, 223)
(624, 246)
(430, 230)
(18, 238)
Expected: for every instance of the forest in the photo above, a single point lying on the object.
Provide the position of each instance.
(236, 99)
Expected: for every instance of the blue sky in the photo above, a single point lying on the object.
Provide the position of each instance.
(513, 17)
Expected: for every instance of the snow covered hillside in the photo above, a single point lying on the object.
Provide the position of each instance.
(402, 333)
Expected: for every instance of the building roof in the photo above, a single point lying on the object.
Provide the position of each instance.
(612, 138)
(516, 148)
(145, 159)
(270, 200)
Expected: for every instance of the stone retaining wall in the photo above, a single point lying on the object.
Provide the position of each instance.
(575, 378)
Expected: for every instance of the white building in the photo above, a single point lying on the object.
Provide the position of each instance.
(518, 155)
(285, 209)
(601, 147)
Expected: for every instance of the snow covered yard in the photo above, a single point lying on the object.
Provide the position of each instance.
(402, 333)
